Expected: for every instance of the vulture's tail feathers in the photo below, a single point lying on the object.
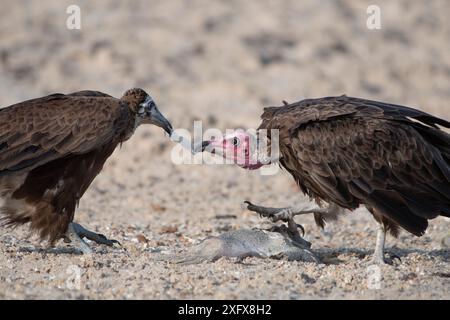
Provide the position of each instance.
(424, 205)
(440, 148)
(398, 112)
(392, 206)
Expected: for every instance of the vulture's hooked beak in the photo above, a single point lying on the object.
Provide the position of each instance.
(211, 146)
(149, 113)
(201, 146)
(158, 119)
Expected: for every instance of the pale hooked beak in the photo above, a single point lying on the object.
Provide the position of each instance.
(201, 146)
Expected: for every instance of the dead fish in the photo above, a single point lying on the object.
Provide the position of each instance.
(446, 242)
(274, 243)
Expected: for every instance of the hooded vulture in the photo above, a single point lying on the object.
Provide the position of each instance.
(52, 148)
(345, 152)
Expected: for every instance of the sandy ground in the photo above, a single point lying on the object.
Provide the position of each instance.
(220, 62)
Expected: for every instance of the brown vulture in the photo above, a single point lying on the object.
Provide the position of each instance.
(345, 152)
(52, 148)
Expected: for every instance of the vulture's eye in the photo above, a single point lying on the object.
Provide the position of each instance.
(147, 105)
(236, 141)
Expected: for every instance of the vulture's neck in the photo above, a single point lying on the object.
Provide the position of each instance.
(131, 126)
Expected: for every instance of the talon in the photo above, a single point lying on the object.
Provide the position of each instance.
(104, 240)
(394, 257)
(115, 241)
(110, 242)
(301, 228)
(251, 206)
(93, 236)
(102, 236)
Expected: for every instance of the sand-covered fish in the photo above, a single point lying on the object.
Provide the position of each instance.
(277, 242)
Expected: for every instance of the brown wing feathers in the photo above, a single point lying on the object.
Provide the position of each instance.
(51, 149)
(351, 151)
(52, 127)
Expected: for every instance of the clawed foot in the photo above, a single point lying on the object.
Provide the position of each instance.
(76, 233)
(381, 260)
(96, 237)
(274, 214)
(277, 214)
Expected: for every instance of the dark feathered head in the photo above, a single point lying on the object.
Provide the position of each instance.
(145, 108)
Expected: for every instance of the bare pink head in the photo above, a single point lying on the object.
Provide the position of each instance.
(239, 146)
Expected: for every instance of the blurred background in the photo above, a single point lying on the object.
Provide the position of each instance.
(228, 58)
(221, 62)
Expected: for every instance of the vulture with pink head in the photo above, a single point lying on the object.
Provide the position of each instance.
(344, 152)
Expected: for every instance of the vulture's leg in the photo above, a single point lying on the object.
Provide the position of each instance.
(277, 214)
(378, 254)
(97, 237)
(288, 214)
(79, 243)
